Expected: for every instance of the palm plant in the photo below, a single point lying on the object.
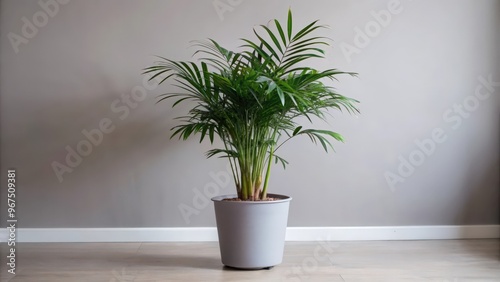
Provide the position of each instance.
(251, 99)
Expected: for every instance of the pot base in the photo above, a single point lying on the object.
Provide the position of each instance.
(243, 269)
(251, 233)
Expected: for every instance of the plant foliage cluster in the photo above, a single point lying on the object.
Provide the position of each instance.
(251, 99)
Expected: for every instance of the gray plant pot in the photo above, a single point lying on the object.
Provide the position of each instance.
(251, 234)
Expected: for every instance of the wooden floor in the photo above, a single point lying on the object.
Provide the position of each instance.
(385, 261)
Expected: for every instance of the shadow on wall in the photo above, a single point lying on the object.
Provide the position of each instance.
(483, 183)
(498, 76)
(476, 210)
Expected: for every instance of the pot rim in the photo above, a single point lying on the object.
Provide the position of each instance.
(282, 198)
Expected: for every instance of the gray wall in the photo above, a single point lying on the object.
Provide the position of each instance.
(416, 72)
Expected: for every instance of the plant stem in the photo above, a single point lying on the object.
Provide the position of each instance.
(268, 173)
(233, 169)
(269, 163)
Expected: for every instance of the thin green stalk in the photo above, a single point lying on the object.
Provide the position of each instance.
(269, 163)
(233, 171)
(268, 173)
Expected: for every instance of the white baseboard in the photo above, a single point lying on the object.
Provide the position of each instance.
(201, 234)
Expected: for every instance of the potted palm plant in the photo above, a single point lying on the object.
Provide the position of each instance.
(250, 100)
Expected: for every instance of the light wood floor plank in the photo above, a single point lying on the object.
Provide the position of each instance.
(370, 261)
